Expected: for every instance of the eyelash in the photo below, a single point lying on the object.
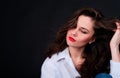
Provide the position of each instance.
(83, 31)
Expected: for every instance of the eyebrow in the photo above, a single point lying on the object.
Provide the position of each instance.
(85, 29)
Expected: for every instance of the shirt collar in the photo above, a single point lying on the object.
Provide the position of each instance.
(64, 55)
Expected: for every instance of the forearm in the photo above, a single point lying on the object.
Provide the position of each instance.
(114, 44)
(115, 53)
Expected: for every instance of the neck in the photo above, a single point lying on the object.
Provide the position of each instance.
(76, 52)
(76, 56)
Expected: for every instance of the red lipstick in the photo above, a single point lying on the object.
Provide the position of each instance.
(71, 39)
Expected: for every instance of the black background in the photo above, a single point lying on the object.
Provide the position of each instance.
(28, 26)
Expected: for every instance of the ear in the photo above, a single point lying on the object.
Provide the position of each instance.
(92, 40)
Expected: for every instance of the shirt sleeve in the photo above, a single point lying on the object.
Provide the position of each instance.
(115, 69)
(49, 70)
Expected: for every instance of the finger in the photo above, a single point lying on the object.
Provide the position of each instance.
(118, 25)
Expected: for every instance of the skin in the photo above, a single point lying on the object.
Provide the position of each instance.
(81, 35)
(114, 44)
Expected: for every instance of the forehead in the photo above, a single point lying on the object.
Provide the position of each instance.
(86, 22)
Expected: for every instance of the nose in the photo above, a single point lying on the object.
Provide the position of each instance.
(74, 33)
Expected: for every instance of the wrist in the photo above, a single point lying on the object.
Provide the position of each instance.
(114, 46)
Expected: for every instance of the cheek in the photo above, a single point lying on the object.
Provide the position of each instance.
(68, 32)
(85, 39)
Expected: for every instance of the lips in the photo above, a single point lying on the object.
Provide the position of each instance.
(71, 39)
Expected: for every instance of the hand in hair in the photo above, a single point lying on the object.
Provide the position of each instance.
(114, 44)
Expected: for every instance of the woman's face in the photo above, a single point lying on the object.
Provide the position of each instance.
(82, 34)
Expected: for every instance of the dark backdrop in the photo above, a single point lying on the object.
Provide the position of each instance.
(28, 26)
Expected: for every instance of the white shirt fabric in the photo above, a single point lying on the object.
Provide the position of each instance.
(61, 66)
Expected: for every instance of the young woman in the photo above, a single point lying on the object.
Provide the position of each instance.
(81, 48)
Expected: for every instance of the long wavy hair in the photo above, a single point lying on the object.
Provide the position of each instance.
(97, 54)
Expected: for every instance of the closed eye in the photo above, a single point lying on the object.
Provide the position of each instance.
(85, 32)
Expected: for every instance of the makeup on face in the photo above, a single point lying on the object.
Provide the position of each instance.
(71, 39)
